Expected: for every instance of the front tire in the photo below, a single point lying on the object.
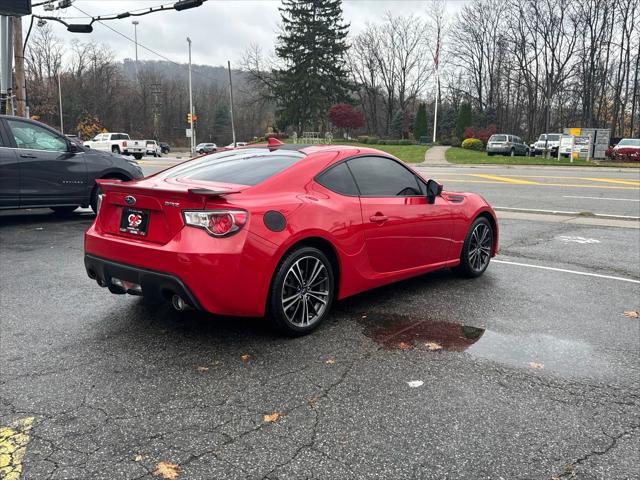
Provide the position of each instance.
(302, 291)
(477, 248)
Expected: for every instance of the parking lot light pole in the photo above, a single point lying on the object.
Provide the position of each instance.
(192, 139)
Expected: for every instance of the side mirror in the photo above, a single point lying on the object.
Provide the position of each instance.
(434, 189)
(74, 148)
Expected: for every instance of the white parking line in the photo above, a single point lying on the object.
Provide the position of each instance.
(562, 212)
(604, 198)
(563, 270)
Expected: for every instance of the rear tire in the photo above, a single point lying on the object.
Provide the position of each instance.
(301, 292)
(137, 156)
(64, 210)
(115, 150)
(477, 248)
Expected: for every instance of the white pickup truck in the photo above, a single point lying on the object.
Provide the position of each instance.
(118, 143)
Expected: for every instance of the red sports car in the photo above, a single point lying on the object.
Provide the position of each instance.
(282, 230)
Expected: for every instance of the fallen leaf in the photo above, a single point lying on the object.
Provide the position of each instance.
(403, 345)
(568, 468)
(631, 314)
(167, 470)
(433, 346)
(138, 458)
(536, 365)
(202, 369)
(245, 357)
(272, 417)
(415, 383)
(331, 361)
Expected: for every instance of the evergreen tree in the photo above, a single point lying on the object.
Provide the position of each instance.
(464, 119)
(420, 127)
(312, 47)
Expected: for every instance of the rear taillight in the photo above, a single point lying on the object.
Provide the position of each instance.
(124, 144)
(217, 223)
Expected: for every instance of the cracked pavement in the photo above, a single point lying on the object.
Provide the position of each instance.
(115, 386)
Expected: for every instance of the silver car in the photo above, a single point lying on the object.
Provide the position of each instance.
(504, 144)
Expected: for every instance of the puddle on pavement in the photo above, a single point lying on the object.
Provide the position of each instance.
(561, 356)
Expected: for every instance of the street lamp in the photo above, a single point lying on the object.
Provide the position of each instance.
(193, 135)
(135, 37)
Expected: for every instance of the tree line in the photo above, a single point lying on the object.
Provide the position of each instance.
(523, 66)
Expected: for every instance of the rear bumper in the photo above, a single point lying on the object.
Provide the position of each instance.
(227, 276)
(154, 284)
(498, 149)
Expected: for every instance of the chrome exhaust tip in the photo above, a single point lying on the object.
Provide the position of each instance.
(179, 304)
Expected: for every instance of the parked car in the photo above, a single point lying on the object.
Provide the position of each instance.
(550, 145)
(282, 230)
(118, 143)
(206, 148)
(238, 144)
(40, 167)
(153, 148)
(164, 147)
(627, 149)
(505, 144)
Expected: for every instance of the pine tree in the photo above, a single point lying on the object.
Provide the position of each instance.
(420, 127)
(312, 46)
(464, 119)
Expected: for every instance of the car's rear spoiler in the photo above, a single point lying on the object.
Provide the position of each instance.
(125, 187)
(212, 193)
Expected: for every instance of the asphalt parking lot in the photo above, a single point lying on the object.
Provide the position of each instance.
(529, 372)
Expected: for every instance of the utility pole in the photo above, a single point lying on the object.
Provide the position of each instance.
(6, 61)
(233, 126)
(135, 40)
(21, 102)
(60, 102)
(193, 133)
(156, 90)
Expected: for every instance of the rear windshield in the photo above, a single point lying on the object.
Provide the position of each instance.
(553, 137)
(243, 167)
(498, 138)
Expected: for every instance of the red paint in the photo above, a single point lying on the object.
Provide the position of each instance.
(376, 240)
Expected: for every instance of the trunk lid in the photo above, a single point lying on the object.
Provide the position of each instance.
(160, 201)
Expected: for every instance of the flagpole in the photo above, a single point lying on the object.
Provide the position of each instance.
(436, 60)
(435, 113)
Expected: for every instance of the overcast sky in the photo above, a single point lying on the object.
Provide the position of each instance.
(220, 29)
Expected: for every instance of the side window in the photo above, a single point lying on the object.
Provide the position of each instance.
(383, 177)
(34, 137)
(339, 180)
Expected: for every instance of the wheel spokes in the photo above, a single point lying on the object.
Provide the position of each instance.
(305, 291)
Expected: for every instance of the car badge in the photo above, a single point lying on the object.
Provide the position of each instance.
(130, 200)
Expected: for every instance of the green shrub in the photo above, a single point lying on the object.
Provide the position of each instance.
(473, 144)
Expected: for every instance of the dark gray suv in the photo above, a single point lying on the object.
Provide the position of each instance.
(40, 167)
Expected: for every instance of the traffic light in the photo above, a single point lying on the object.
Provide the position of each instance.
(189, 118)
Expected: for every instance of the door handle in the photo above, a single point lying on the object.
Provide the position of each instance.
(378, 218)
(27, 155)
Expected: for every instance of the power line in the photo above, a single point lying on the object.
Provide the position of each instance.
(139, 44)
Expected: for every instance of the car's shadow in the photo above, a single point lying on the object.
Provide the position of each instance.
(42, 216)
(160, 319)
